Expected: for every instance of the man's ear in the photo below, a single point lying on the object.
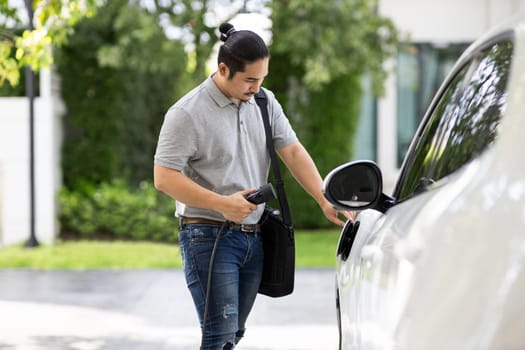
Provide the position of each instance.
(223, 70)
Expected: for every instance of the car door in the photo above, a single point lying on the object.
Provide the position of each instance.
(375, 278)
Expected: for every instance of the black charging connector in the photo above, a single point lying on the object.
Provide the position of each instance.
(264, 194)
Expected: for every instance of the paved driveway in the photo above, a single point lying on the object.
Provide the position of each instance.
(150, 310)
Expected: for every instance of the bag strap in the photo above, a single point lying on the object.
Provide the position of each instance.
(262, 101)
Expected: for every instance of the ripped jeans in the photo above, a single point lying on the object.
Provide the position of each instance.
(237, 271)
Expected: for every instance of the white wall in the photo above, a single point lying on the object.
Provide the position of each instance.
(14, 165)
(431, 21)
(1, 208)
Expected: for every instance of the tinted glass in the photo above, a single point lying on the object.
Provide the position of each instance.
(464, 121)
(356, 186)
(421, 68)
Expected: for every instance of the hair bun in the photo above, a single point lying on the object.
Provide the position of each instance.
(226, 30)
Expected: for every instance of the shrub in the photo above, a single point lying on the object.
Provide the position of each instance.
(119, 74)
(114, 211)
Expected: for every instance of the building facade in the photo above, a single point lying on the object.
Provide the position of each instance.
(438, 32)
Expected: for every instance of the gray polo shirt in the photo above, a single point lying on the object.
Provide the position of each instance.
(219, 145)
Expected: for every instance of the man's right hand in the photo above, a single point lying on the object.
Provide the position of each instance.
(236, 208)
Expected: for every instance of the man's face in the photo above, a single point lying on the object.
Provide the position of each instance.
(245, 84)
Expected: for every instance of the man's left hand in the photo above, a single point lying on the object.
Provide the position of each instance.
(332, 214)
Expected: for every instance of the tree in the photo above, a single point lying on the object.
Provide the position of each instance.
(320, 51)
(325, 40)
(196, 22)
(53, 20)
(119, 75)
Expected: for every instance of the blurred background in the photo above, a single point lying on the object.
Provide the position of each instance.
(85, 84)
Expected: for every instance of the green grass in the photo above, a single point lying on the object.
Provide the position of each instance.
(313, 249)
(316, 248)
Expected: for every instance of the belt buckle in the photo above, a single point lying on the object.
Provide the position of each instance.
(247, 228)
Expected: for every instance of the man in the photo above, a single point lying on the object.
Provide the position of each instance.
(211, 153)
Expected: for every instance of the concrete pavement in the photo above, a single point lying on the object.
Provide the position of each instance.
(150, 309)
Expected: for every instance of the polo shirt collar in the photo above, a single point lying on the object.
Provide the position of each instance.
(220, 99)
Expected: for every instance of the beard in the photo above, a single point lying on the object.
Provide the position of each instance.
(247, 96)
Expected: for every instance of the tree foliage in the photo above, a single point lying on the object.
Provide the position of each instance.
(320, 51)
(119, 75)
(196, 22)
(52, 22)
(325, 40)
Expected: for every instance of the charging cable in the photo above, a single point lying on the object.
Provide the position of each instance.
(208, 284)
(264, 194)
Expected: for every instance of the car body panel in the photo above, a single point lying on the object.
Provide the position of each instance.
(445, 269)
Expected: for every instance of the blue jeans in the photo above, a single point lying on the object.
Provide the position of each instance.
(236, 275)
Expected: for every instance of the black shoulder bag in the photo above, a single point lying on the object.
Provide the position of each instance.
(277, 230)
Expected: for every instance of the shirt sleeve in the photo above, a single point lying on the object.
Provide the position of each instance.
(177, 140)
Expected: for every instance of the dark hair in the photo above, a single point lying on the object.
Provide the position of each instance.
(240, 47)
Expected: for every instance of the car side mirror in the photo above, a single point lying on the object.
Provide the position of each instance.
(356, 185)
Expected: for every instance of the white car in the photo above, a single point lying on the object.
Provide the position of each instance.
(440, 263)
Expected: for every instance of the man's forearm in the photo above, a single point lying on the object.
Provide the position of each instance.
(232, 207)
(304, 170)
(180, 187)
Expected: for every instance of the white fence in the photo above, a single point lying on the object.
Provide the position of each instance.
(15, 216)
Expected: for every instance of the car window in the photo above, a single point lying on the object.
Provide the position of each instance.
(463, 123)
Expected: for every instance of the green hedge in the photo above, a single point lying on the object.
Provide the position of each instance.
(325, 122)
(327, 133)
(320, 50)
(119, 74)
(114, 211)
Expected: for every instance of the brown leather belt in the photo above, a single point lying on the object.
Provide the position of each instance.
(236, 227)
